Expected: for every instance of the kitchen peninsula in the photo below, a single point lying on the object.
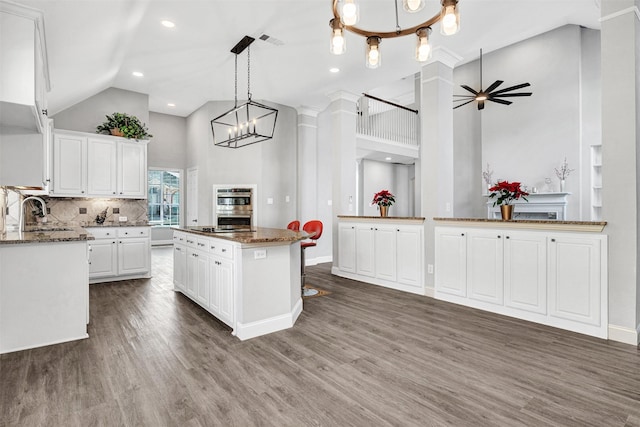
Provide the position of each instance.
(250, 280)
(44, 287)
(549, 272)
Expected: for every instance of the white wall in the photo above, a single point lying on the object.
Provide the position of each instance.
(378, 176)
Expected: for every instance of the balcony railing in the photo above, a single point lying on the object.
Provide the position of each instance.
(386, 120)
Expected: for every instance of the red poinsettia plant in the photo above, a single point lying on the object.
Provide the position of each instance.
(383, 198)
(506, 192)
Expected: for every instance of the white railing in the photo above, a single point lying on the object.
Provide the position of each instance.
(388, 121)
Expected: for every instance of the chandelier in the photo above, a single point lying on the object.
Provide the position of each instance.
(348, 16)
(248, 123)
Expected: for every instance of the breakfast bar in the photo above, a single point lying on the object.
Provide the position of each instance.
(248, 279)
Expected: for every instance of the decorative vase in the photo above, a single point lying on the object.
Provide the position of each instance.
(506, 211)
(384, 210)
(117, 132)
(562, 185)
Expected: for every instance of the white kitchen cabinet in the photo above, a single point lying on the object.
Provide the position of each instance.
(485, 266)
(451, 261)
(365, 254)
(575, 279)
(557, 278)
(103, 258)
(24, 80)
(347, 252)
(525, 271)
(180, 267)
(221, 289)
(69, 165)
(101, 167)
(88, 165)
(386, 252)
(119, 253)
(192, 272)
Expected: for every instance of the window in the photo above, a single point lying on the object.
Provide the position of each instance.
(164, 197)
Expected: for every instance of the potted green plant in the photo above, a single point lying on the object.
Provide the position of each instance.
(122, 124)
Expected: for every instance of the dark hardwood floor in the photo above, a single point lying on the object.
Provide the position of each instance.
(362, 356)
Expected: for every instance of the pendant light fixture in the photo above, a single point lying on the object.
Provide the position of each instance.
(348, 17)
(248, 123)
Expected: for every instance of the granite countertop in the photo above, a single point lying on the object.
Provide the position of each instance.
(529, 223)
(261, 235)
(117, 224)
(46, 235)
(383, 218)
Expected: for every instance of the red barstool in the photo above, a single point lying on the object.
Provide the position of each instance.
(294, 225)
(314, 228)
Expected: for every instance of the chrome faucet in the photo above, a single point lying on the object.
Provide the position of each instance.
(44, 210)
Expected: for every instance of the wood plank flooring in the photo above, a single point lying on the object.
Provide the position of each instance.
(362, 356)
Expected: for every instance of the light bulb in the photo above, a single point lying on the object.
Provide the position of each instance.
(338, 44)
(349, 13)
(373, 57)
(450, 19)
(412, 6)
(423, 48)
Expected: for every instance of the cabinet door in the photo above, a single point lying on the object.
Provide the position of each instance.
(133, 255)
(101, 167)
(364, 251)
(485, 265)
(192, 272)
(451, 261)
(385, 252)
(525, 271)
(103, 259)
(347, 247)
(225, 281)
(409, 247)
(132, 169)
(180, 267)
(214, 286)
(574, 279)
(202, 281)
(69, 165)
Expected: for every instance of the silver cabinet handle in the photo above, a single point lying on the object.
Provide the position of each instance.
(224, 250)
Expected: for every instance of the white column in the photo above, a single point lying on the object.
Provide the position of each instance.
(307, 197)
(434, 171)
(620, 49)
(343, 154)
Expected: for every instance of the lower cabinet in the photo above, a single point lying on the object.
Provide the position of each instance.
(119, 253)
(554, 278)
(386, 253)
(203, 270)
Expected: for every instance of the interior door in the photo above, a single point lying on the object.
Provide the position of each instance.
(192, 196)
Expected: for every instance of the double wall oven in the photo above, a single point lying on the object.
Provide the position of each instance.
(234, 208)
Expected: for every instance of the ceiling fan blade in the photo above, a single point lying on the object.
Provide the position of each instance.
(458, 106)
(504, 95)
(493, 85)
(520, 86)
(500, 101)
(480, 105)
(469, 89)
(464, 100)
(464, 96)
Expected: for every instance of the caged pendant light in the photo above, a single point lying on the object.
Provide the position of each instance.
(248, 123)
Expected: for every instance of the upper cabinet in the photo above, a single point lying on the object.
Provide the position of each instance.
(89, 165)
(24, 71)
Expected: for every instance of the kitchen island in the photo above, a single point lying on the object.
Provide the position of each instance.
(44, 287)
(549, 272)
(249, 280)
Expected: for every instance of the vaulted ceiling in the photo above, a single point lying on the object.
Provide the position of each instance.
(96, 44)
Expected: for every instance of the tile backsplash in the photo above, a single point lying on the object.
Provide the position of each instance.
(75, 211)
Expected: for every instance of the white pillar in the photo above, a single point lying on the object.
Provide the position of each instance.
(307, 197)
(620, 49)
(434, 171)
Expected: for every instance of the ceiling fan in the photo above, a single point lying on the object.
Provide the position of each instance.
(490, 93)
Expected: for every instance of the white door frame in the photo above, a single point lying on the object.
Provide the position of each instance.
(192, 199)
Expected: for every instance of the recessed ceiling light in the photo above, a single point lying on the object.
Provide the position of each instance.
(171, 105)
(387, 158)
(334, 70)
(168, 24)
(138, 74)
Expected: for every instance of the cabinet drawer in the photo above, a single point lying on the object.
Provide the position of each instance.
(133, 232)
(191, 240)
(179, 238)
(103, 233)
(202, 243)
(223, 249)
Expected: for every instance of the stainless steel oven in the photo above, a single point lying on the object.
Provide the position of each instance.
(234, 207)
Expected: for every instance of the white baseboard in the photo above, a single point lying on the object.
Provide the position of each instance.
(28, 347)
(430, 292)
(624, 335)
(267, 326)
(318, 260)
